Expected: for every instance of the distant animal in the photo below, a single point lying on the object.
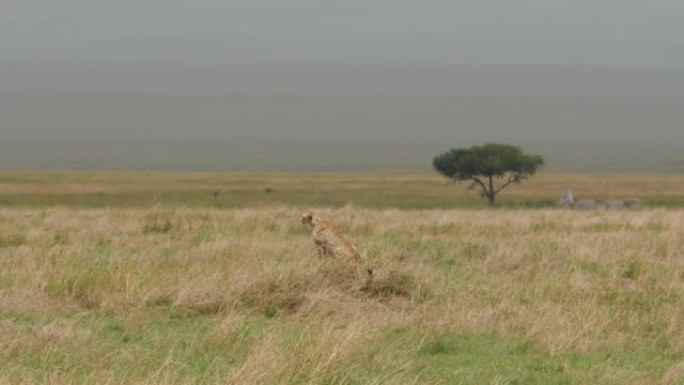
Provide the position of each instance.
(567, 200)
(587, 204)
(632, 203)
(623, 203)
(330, 242)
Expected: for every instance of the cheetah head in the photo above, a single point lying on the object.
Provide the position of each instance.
(308, 218)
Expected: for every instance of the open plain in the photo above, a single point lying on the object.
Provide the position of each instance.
(164, 278)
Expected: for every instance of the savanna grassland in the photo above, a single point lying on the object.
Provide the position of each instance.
(148, 278)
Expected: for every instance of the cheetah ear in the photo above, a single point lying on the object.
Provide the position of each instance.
(309, 216)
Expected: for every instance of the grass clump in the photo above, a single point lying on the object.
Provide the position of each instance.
(273, 297)
(158, 221)
(275, 301)
(87, 288)
(12, 240)
(394, 283)
(61, 237)
(631, 269)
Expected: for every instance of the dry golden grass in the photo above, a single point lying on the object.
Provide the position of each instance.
(177, 295)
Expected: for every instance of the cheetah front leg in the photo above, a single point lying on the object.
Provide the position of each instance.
(359, 270)
(321, 250)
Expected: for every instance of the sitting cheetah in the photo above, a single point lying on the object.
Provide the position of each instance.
(329, 241)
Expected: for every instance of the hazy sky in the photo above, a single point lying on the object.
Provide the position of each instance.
(349, 84)
(585, 32)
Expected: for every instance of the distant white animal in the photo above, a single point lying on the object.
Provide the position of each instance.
(567, 200)
(587, 204)
(622, 203)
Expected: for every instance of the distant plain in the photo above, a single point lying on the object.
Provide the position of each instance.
(89, 189)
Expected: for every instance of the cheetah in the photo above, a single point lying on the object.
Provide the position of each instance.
(329, 241)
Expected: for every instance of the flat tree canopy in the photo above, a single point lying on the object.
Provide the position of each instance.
(483, 164)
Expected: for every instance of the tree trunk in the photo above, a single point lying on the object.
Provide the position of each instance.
(490, 198)
(491, 194)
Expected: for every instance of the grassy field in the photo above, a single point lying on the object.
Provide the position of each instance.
(367, 190)
(152, 279)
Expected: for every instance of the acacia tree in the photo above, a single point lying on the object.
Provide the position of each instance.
(484, 164)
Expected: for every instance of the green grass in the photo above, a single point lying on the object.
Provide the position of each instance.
(127, 348)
